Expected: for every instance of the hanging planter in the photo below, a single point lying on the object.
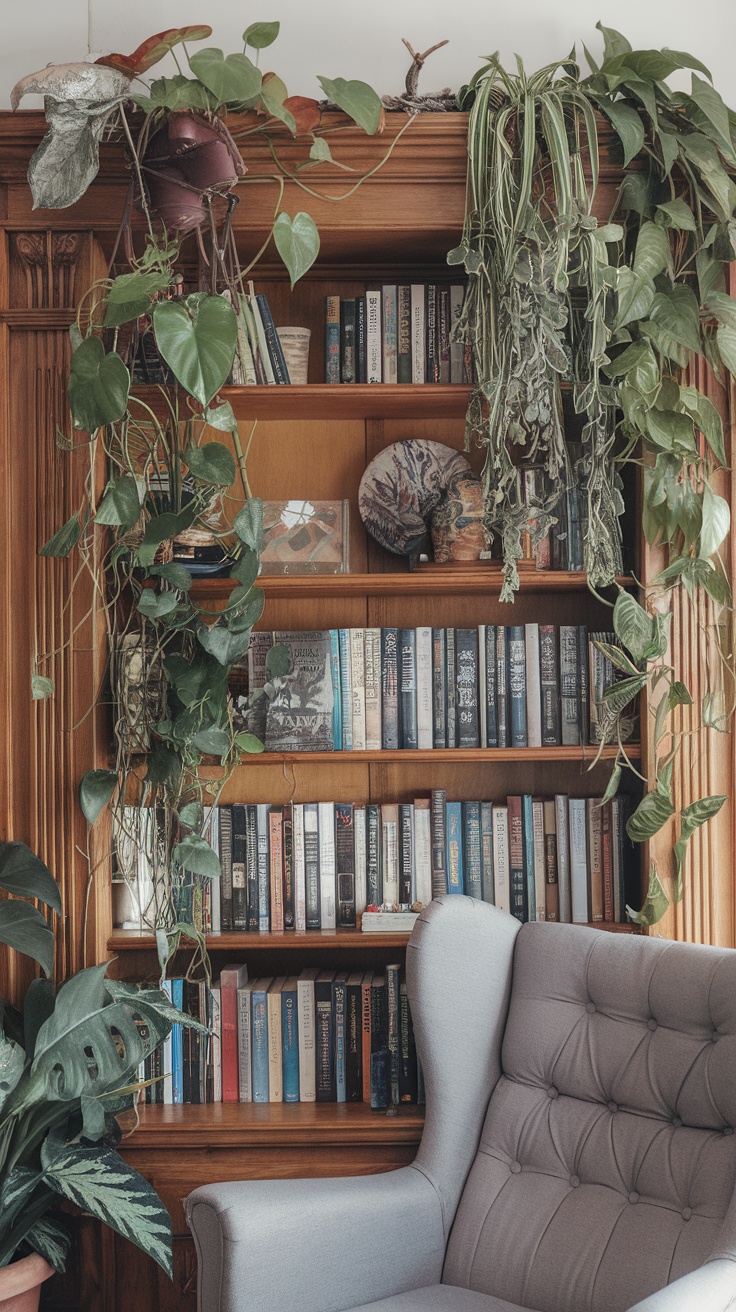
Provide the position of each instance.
(190, 156)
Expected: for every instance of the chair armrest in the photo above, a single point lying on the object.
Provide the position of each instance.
(319, 1245)
(712, 1288)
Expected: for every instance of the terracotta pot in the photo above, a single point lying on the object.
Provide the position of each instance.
(20, 1283)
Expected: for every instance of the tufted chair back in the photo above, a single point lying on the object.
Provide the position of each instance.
(607, 1158)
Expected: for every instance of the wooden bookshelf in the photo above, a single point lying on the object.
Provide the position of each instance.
(425, 580)
(332, 403)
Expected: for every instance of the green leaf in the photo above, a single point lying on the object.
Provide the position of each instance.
(98, 386)
(162, 527)
(64, 540)
(174, 93)
(192, 815)
(163, 767)
(670, 147)
(222, 418)
(38, 1005)
(211, 463)
(618, 695)
(248, 524)
(24, 874)
(679, 695)
(41, 687)
(678, 312)
(627, 124)
(691, 818)
(612, 785)
(231, 79)
(247, 742)
(677, 214)
(715, 585)
(197, 339)
(12, 1061)
(120, 507)
(95, 791)
(688, 61)
(635, 296)
(273, 95)
(177, 576)
(155, 605)
(23, 928)
(652, 254)
(726, 340)
(320, 149)
(297, 242)
(671, 431)
(49, 1238)
(723, 307)
(701, 152)
(707, 419)
(648, 65)
(278, 661)
(357, 99)
(715, 112)
(260, 35)
(613, 42)
(131, 295)
(632, 624)
(635, 193)
(653, 811)
(245, 570)
(99, 1181)
(716, 522)
(226, 646)
(214, 741)
(195, 854)
(617, 657)
(656, 902)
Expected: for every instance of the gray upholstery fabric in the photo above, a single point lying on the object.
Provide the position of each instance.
(578, 1148)
(607, 1160)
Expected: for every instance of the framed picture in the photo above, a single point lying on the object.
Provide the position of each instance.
(305, 537)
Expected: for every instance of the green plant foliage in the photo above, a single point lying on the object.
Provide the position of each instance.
(131, 294)
(655, 904)
(95, 791)
(64, 540)
(23, 928)
(357, 99)
(297, 242)
(211, 463)
(232, 79)
(197, 338)
(120, 506)
(98, 386)
(260, 35)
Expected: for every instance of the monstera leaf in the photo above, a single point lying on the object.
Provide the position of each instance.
(197, 338)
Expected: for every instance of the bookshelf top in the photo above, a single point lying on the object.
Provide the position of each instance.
(468, 578)
(239, 1125)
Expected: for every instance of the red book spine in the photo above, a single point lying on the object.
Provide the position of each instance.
(229, 1040)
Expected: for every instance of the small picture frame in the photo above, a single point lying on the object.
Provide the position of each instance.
(305, 537)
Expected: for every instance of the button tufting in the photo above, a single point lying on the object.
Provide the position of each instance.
(515, 1167)
(652, 1024)
(552, 1092)
(728, 1130)
(613, 1107)
(590, 1007)
(633, 1196)
(686, 1213)
(676, 1122)
(715, 1036)
(574, 1182)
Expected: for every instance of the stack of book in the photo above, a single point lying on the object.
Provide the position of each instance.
(524, 685)
(561, 547)
(322, 865)
(322, 1036)
(259, 357)
(396, 334)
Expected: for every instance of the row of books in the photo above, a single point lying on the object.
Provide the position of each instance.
(396, 334)
(562, 546)
(323, 865)
(522, 685)
(322, 1036)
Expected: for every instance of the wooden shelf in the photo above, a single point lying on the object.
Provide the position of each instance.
(484, 755)
(336, 401)
(426, 580)
(238, 1125)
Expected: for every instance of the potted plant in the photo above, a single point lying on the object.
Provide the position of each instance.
(69, 1064)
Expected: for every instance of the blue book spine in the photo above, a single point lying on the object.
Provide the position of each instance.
(177, 1045)
(346, 690)
(290, 1044)
(527, 823)
(517, 684)
(259, 1045)
(339, 996)
(336, 692)
(472, 849)
(454, 831)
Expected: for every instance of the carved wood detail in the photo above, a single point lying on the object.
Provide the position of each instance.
(43, 269)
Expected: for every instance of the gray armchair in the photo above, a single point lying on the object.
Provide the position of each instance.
(578, 1153)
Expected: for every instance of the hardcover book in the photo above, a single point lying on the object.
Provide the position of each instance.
(550, 686)
(527, 829)
(433, 363)
(326, 1087)
(418, 334)
(406, 854)
(578, 860)
(439, 842)
(380, 1063)
(569, 686)
(373, 336)
(346, 689)
(517, 874)
(306, 1031)
(457, 296)
(502, 886)
(454, 832)
(327, 878)
(551, 893)
(299, 717)
(345, 865)
(239, 884)
(491, 671)
(408, 688)
(390, 853)
(390, 335)
(517, 685)
(390, 688)
(347, 341)
(339, 1011)
(486, 852)
(403, 315)
(472, 849)
(290, 1039)
(422, 851)
(373, 690)
(374, 894)
(357, 687)
(425, 725)
(311, 864)
(361, 344)
(533, 686)
(439, 688)
(562, 826)
(275, 1046)
(259, 1040)
(502, 686)
(466, 684)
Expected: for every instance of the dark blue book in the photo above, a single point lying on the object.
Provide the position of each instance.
(374, 891)
(489, 692)
(517, 684)
(408, 688)
(259, 1040)
(502, 686)
(264, 868)
(290, 1040)
(336, 689)
(439, 688)
(380, 1081)
(454, 832)
(393, 1009)
(339, 1007)
(347, 341)
(466, 684)
(324, 1037)
(275, 349)
(361, 353)
(486, 852)
(346, 689)
(390, 689)
(472, 850)
(549, 672)
(527, 824)
(177, 1046)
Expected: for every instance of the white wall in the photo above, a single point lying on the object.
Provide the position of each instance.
(362, 38)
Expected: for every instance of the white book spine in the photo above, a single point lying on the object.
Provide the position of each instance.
(262, 343)
(359, 832)
(275, 1068)
(423, 851)
(482, 699)
(305, 1008)
(425, 724)
(215, 1045)
(501, 857)
(533, 687)
(357, 666)
(578, 860)
(327, 865)
(373, 723)
(390, 854)
(540, 880)
(373, 336)
(245, 1082)
(166, 1059)
(563, 859)
(418, 347)
(300, 873)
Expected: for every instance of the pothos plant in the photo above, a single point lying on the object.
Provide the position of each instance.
(613, 311)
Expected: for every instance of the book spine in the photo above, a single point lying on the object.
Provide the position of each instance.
(353, 1040)
(562, 827)
(569, 691)
(425, 726)
(339, 1004)
(466, 684)
(540, 869)
(486, 852)
(408, 1049)
(373, 694)
(390, 337)
(264, 870)
(406, 854)
(422, 851)
(551, 892)
(403, 332)
(607, 861)
(489, 691)
(443, 333)
(439, 688)
(290, 1045)
(365, 1036)
(374, 895)
(361, 348)
(517, 880)
(288, 885)
(324, 1041)
(332, 339)
(533, 686)
(264, 355)
(390, 853)
(168, 1080)
(454, 831)
(361, 859)
(501, 873)
(451, 684)
(357, 687)
(517, 685)
(433, 363)
(373, 336)
(327, 881)
(336, 690)
(306, 1028)
(394, 1022)
(177, 1048)
(472, 850)
(276, 868)
(418, 334)
(550, 686)
(584, 683)
(408, 688)
(275, 1045)
(300, 886)
(457, 296)
(229, 1015)
(578, 860)
(380, 1065)
(275, 350)
(345, 865)
(259, 1042)
(595, 857)
(226, 866)
(390, 688)
(347, 340)
(481, 688)
(240, 892)
(346, 689)
(245, 1085)
(527, 829)
(251, 866)
(439, 842)
(502, 686)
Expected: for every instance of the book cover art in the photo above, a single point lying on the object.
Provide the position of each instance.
(299, 717)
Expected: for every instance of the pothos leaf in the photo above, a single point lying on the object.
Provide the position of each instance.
(691, 818)
(95, 791)
(656, 902)
(297, 242)
(653, 811)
